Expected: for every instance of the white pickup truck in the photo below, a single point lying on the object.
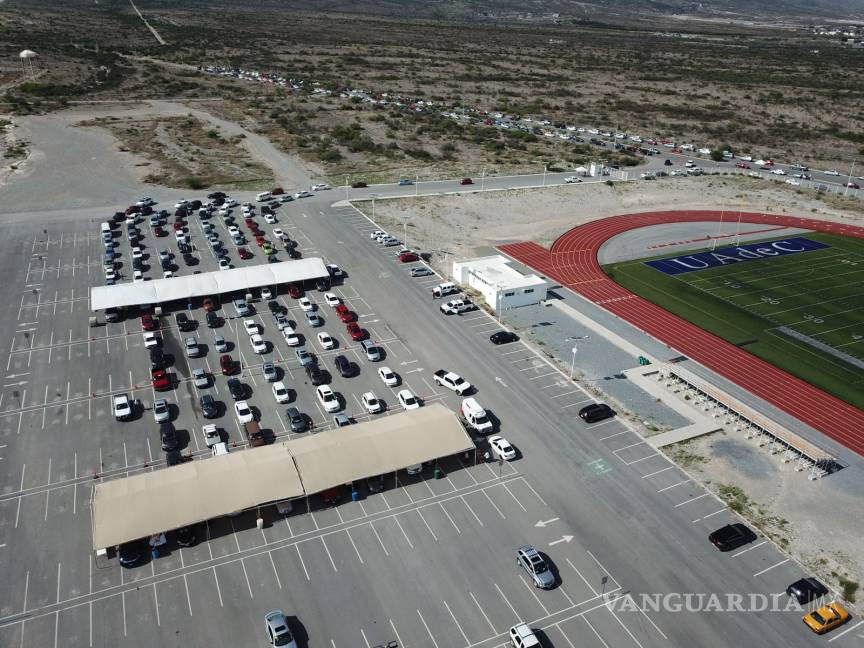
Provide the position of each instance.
(452, 381)
(211, 435)
(457, 306)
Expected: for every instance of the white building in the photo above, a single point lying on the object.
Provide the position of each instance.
(501, 285)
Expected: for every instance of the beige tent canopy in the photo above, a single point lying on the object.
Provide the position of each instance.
(148, 503)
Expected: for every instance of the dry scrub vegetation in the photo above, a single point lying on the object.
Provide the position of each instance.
(770, 92)
(185, 152)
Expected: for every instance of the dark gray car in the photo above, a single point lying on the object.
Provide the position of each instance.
(297, 420)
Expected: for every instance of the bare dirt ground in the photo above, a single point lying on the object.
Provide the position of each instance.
(185, 152)
(466, 223)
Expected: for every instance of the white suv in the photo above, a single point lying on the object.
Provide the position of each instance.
(522, 636)
(328, 399)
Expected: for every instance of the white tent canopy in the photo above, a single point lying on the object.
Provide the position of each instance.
(160, 291)
(152, 502)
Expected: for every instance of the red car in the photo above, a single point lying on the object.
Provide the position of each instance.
(277, 191)
(466, 181)
(356, 332)
(227, 365)
(256, 231)
(294, 292)
(132, 209)
(161, 382)
(741, 165)
(260, 240)
(853, 185)
(178, 226)
(148, 323)
(244, 253)
(158, 231)
(248, 220)
(408, 257)
(347, 315)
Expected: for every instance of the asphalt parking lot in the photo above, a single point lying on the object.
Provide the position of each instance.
(426, 562)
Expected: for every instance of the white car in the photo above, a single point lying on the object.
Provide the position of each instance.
(179, 235)
(328, 398)
(794, 183)
(335, 271)
(137, 276)
(251, 327)
(110, 277)
(331, 299)
(224, 265)
(145, 201)
(150, 339)
(302, 194)
(244, 414)
(408, 400)
(233, 229)
(371, 403)
(305, 304)
(278, 233)
(778, 172)
(168, 274)
(122, 407)
(320, 187)
(832, 172)
(259, 346)
(280, 392)
(137, 253)
(266, 293)
(292, 339)
(326, 341)
(388, 377)
(160, 410)
(181, 203)
(572, 179)
(200, 377)
(192, 348)
(501, 448)
(269, 218)
(374, 235)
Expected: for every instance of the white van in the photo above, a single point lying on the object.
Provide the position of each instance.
(476, 416)
(446, 288)
(106, 229)
(261, 197)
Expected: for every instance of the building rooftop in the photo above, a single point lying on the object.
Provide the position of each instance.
(498, 271)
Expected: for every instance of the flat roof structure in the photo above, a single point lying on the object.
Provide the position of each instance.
(153, 502)
(148, 503)
(219, 282)
(496, 271)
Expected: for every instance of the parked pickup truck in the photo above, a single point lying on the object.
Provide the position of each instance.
(457, 306)
(452, 381)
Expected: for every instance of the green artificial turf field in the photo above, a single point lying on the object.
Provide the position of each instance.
(818, 295)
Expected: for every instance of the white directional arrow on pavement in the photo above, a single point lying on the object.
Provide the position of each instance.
(542, 523)
(498, 380)
(565, 538)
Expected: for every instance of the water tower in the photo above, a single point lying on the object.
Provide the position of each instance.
(27, 57)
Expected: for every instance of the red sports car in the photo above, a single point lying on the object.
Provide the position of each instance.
(294, 292)
(408, 257)
(466, 181)
(244, 253)
(161, 381)
(347, 315)
(158, 231)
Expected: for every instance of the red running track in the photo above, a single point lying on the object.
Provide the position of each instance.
(572, 262)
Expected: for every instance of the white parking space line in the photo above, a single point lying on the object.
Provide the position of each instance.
(359, 557)
(512, 609)
(218, 589)
(692, 499)
(429, 528)
(756, 546)
(657, 472)
(686, 481)
(767, 569)
(431, 636)
(449, 518)
(396, 632)
(846, 631)
(534, 594)
(302, 563)
(328, 553)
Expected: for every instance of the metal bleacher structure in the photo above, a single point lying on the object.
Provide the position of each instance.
(739, 416)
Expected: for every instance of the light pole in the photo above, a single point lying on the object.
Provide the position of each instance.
(849, 180)
(346, 186)
(417, 185)
(483, 179)
(574, 350)
(544, 175)
(373, 210)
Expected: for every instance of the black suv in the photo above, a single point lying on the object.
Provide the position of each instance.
(157, 358)
(236, 388)
(188, 259)
(212, 320)
(169, 437)
(596, 412)
(322, 284)
(183, 322)
(315, 375)
(208, 406)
